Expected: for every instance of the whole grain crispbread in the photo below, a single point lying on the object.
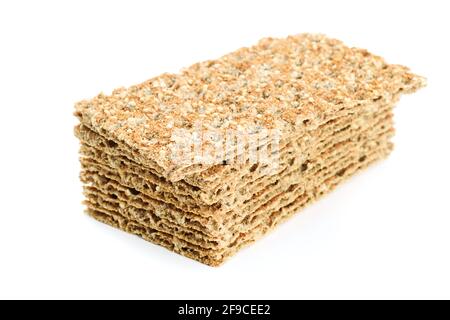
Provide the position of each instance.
(330, 107)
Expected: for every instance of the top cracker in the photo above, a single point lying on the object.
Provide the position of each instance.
(277, 83)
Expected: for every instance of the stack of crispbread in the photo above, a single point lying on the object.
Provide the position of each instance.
(206, 161)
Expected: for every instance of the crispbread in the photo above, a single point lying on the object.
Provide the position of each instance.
(328, 106)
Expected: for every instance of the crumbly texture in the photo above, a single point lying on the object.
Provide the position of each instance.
(278, 83)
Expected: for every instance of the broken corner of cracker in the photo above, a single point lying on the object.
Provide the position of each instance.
(206, 161)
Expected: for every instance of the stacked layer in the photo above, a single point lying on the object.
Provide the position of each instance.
(331, 104)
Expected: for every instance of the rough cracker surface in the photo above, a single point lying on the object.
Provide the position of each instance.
(278, 83)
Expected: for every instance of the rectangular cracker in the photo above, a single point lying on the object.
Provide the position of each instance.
(330, 105)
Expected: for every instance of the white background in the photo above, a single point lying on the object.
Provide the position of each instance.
(384, 234)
